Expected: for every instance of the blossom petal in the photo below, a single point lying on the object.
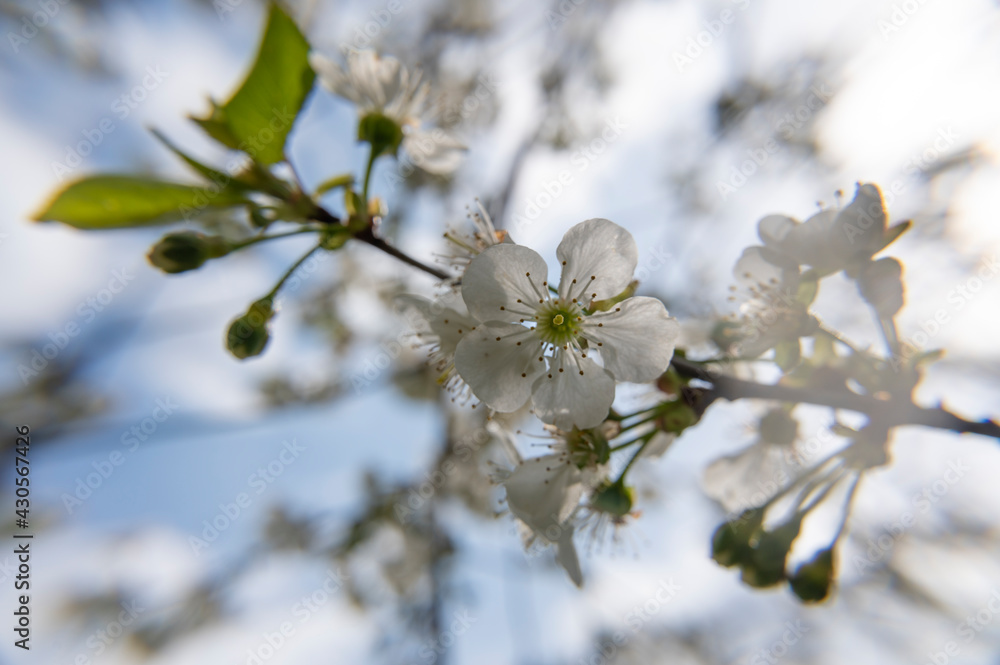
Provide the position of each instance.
(567, 558)
(502, 280)
(881, 285)
(819, 242)
(333, 77)
(434, 151)
(499, 372)
(773, 230)
(446, 317)
(863, 222)
(659, 444)
(542, 492)
(748, 478)
(575, 392)
(599, 249)
(375, 78)
(636, 339)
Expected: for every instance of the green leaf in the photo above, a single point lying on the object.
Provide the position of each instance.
(335, 238)
(216, 125)
(344, 180)
(260, 114)
(115, 202)
(214, 175)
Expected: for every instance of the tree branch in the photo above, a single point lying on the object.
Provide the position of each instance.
(368, 237)
(890, 412)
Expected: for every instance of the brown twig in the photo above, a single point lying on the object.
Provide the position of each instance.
(890, 412)
(368, 237)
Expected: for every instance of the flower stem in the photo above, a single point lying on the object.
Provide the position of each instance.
(368, 175)
(622, 446)
(645, 438)
(838, 338)
(654, 413)
(848, 499)
(368, 236)
(888, 327)
(257, 239)
(288, 273)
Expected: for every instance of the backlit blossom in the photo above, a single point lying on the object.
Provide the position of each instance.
(543, 493)
(381, 85)
(832, 239)
(771, 312)
(441, 324)
(750, 477)
(464, 246)
(539, 345)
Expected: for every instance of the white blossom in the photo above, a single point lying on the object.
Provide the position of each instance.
(753, 475)
(533, 344)
(543, 494)
(770, 312)
(831, 240)
(440, 327)
(464, 246)
(382, 85)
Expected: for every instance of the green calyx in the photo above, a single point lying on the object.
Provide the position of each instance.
(558, 323)
(613, 498)
(382, 132)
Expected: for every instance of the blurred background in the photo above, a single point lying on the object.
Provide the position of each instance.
(291, 509)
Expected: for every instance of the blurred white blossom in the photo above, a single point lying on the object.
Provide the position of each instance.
(382, 85)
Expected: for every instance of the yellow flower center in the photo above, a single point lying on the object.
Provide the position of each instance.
(558, 322)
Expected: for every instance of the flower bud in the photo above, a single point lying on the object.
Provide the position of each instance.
(670, 382)
(248, 335)
(813, 579)
(880, 283)
(731, 541)
(677, 417)
(186, 250)
(766, 565)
